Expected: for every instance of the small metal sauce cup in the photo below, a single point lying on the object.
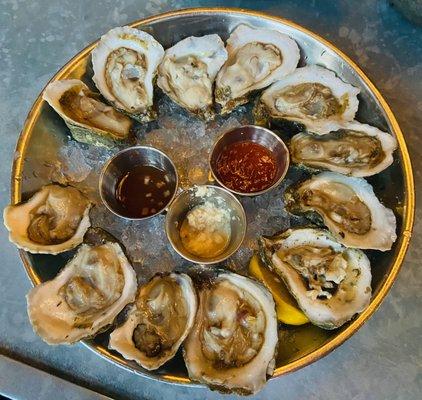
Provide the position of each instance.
(186, 201)
(257, 134)
(123, 162)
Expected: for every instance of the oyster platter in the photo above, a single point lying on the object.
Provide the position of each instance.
(209, 196)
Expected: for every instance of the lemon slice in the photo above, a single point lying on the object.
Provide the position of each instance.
(287, 309)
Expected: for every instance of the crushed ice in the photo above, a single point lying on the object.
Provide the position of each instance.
(187, 141)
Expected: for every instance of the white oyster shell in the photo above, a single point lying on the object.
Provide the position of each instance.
(233, 342)
(313, 96)
(163, 318)
(256, 58)
(354, 149)
(84, 297)
(125, 63)
(312, 263)
(89, 120)
(349, 207)
(188, 71)
(52, 221)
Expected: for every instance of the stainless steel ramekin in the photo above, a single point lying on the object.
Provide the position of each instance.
(124, 161)
(257, 134)
(190, 198)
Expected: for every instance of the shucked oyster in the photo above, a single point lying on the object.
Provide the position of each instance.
(256, 59)
(355, 149)
(331, 283)
(88, 118)
(158, 322)
(84, 297)
(312, 96)
(188, 71)
(52, 221)
(125, 62)
(348, 207)
(233, 342)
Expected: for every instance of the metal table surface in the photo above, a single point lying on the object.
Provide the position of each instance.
(382, 361)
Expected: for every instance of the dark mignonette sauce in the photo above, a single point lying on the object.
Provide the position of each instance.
(246, 167)
(143, 191)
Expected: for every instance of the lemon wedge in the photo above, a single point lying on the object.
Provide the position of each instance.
(287, 309)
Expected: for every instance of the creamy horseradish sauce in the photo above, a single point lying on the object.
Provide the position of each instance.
(206, 230)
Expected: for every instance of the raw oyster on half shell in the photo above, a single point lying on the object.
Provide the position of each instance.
(233, 343)
(313, 97)
(85, 297)
(188, 71)
(355, 149)
(256, 58)
(88, 118)
(331, 283)
(158, 322)
(52, 221)
(349, 208)
(125, 64)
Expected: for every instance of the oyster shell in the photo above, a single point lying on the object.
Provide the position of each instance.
(312, 96)
(355, 149)
(158, 322)
(256, 59)
(88, 118)
(52, 221)
(188, 71)
(233, 342)
(348, 207)
(84, 297)
(125, 63)
(330, 282)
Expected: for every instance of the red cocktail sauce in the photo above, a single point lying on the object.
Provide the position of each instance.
(246, 167)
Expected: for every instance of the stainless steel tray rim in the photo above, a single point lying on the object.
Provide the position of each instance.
(408, 206)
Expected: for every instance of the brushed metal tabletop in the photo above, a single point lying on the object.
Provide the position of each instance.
(382, 361)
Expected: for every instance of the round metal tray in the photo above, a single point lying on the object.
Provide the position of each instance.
(299, 346)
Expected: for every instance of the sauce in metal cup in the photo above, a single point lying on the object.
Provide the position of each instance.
(267, 153)
(138, 183)
(191, 198)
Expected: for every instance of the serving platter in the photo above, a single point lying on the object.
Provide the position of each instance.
(41, 140)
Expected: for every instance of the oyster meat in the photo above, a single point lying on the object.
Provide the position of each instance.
(125, 63)
(88, 118)
(256, 59)
(84, 297)
(313, 97)
(355, 149)
(52, 221)
(348, 207)
(233, 342)
(331, 283)
(188, 71)
(158, 322)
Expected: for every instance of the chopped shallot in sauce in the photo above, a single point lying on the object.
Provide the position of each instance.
(143, 191)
